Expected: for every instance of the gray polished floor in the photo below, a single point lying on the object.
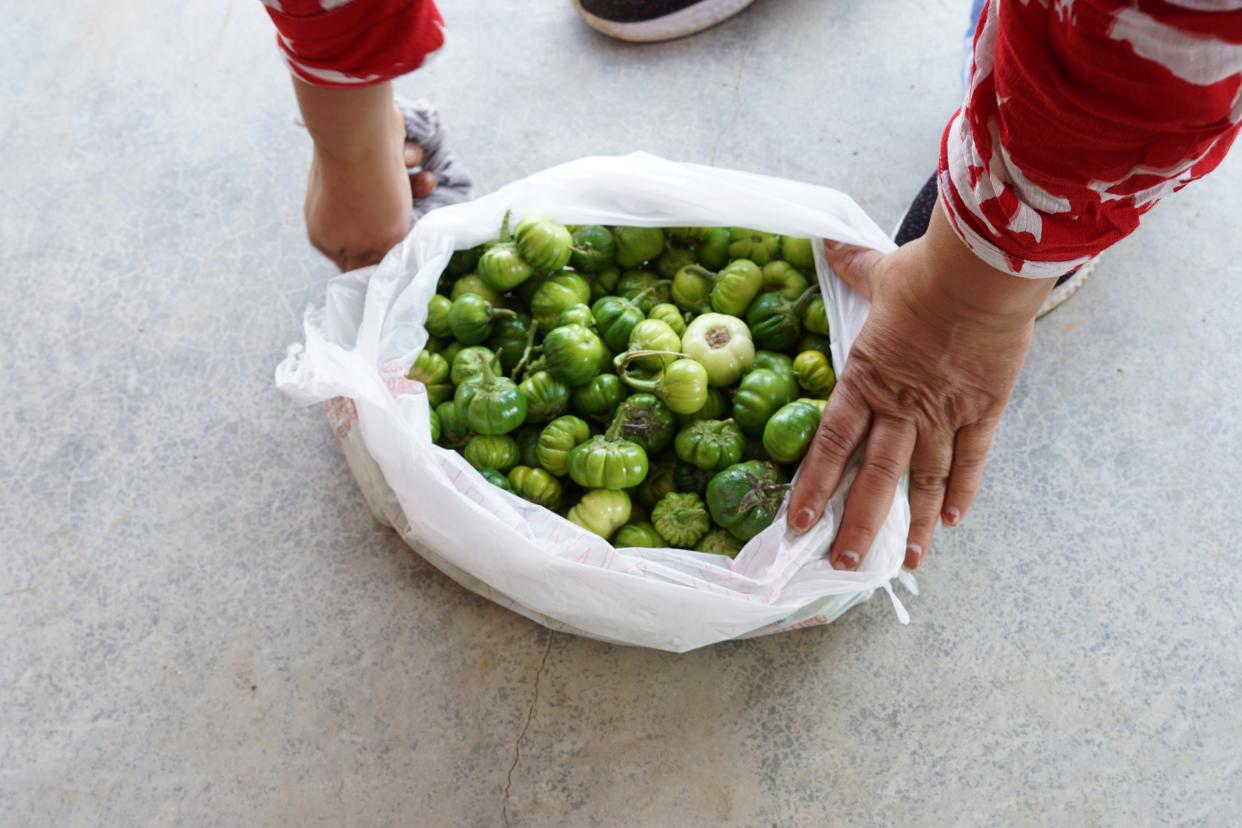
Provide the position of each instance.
(202, 624)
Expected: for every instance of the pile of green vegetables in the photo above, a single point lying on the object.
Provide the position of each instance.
(657, 387)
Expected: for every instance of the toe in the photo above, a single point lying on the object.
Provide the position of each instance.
(422, 184)
(413, 154)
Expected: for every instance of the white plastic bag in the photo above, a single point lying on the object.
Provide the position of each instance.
(360, 344)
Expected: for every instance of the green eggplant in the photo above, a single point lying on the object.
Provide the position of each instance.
(437, 316)
(527, 438)
(787, 434)
(643, 288)
(497, 479)
(601, 511)
(473, 284)
(615, 317)
(441, 392)
(557, 293)
(492, 451)
(491, 404)
(579, 314)
(670, 315)
(682, 386)
(785, 279)
(798, 252)
(719, 542)
(573, 354)
(820, 405)
(781, 364)
(512, 339)
(691, 290)
(557, 439)
(608, 461)
(713, 251)
(814, 373)
(659, 481)
(815, 317)
(636, 245)
(468, 363)
(813, 342)
(681, 519)
(638, 534)
(537, 486)
(502, 268)
(543, 243)
(717, 407)
(454, 430)
(759, 395)
(688, 477)
(471, 318)
(464, 261)
(599, 397)
(710, 445)
(687, 235)
(654, 335)
(755, 245)
(451, 350)
(745, 497)
(594, 249)
(646, 421)
(546, 396)
(604, 283)
(674, 258)
(429, 369)
(774, 321)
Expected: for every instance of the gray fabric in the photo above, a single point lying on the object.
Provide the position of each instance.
(453, 183)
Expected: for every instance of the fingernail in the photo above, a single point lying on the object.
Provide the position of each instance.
(847, 559)
(951, 516)
(802, 519)
(914, 556)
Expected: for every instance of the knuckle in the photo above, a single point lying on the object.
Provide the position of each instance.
(831, 444)
(882, 472)
(857, 534)
(928, 482)
(970, 465)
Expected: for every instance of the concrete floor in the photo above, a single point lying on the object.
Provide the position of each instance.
(203, 625)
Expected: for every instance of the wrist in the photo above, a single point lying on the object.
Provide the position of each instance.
(964, 288)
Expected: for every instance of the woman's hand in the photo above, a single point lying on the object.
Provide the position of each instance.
(924, 387)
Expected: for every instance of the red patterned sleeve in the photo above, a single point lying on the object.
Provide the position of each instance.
(1080, 117)
(344, 43)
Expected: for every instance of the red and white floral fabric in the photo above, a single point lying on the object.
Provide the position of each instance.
(1080, 116)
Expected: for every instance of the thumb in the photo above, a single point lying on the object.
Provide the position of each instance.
(853, 264)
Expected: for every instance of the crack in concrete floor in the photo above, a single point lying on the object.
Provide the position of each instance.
(530, 714)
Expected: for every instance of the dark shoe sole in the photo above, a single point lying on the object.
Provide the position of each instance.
(688, 21)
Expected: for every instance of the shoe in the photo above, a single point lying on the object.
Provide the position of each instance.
(918, 215)
(648, 21)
